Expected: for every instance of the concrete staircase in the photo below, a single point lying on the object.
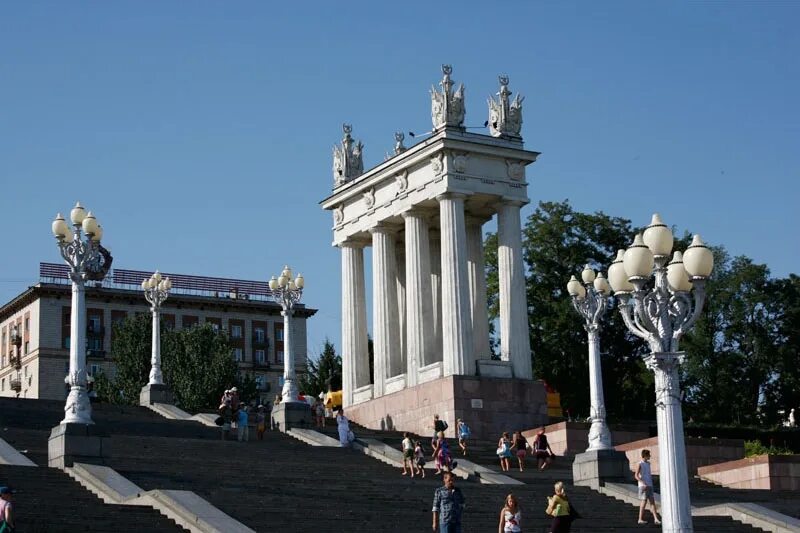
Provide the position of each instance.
(48, 500)
(282, 484)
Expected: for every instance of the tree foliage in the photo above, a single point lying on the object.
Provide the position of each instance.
(196, 363)
(742, 354)
(323, 373)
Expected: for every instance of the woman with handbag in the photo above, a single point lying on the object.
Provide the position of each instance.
(504, 452)
(559, 508)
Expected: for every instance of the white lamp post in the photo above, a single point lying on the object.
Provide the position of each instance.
(287, 292)
(660, 315)
(80, 248)
(156, 291)
(590, 301)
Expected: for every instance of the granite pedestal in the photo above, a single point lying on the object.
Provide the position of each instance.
(286, 416)
(77, 443)
(151, 394)
(597, 467)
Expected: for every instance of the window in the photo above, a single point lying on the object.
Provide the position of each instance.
(94, 323)
(95, 343)
(237, 354)
(236, 331)
(93, 370)
(260, 356)
(66, 342)
(279, 334)
(259, 334)
(261, 382)
(27, 347)
(279, 356)
(27, 324)
(3, 384)
(26, 370)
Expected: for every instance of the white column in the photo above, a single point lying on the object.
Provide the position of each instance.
(436, 296)
(290, 392)
(476, 270)
(355, 358)
(78, 410)
(384, 308)
(599, 435)
(156, 378)
(514, 331)
(402, 321)
(676, 507)
(419, 307)
(456, 321)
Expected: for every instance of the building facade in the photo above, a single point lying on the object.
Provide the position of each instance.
(41, 314)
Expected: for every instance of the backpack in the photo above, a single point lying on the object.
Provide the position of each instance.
(444, 425)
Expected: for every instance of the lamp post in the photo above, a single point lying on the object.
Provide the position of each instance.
(287, 292)
(590, 300)
(661, 313)
(156, 291)
(81, 250)
(16, 361)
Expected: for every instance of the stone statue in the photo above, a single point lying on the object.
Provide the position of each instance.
(348, 161)
(447, 107)
(399, 147)
(505, 115)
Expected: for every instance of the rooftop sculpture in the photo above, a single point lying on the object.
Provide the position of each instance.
(505, 115)
(447, 107)
(347, 158)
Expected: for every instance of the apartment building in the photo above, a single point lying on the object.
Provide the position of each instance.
(42, 315)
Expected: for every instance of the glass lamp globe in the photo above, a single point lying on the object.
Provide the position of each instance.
(601, 284)
(617, 277)
(638, 259)
(299, 281)
(658, 237)
(77, 214)
(574, 288)
(157, 276)
(677, 277)
(89, 224)
(698, 259)
(587, 275)
(273, 283)
(145, 284)
(282, 281)
(59, 226)
(98, 233)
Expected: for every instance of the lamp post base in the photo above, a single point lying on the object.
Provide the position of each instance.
(152, 393)
(287, 415)
(596, 467)
(77, 443)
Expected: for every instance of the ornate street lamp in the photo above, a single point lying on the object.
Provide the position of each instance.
(661, 314)
(590, 300)
(87, 260)
(156, 291)
(287, 292)
(16, 361)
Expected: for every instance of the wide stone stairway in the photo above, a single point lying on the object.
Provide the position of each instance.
(282, 484)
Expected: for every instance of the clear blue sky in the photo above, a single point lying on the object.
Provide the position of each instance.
(200, 132)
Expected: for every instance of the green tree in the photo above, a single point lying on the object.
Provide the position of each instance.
(325, 371)
(198, 366)
(557, 242)
(130, 347)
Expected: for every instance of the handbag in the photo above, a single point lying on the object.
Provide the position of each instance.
(218, 421)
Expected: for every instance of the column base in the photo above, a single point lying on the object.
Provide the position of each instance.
(77, 443)
(489, 368)
(286, 416)
(595, 468)
(151, 394)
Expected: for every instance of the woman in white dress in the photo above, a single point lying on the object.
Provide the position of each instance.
(343, 425)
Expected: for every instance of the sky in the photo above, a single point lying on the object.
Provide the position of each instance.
(200, 133)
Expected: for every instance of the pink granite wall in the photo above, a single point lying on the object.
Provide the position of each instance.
(570, 438)
(699, 452)
(489, 405)
(768, 472)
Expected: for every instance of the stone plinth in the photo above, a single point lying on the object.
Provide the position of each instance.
(489, 405)
(151, 394)
(768, 472)
(77, 443)
(489, 368)
(699, 452)
(571, 438)
(597, 467)
(286, 416)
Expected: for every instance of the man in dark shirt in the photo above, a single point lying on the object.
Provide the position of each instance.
(448, 503)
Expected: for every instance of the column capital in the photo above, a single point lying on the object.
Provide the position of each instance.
(452, 195)
(475, 220)
(384, 228)
(353, 243)
(421, 212)
(514, 202)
